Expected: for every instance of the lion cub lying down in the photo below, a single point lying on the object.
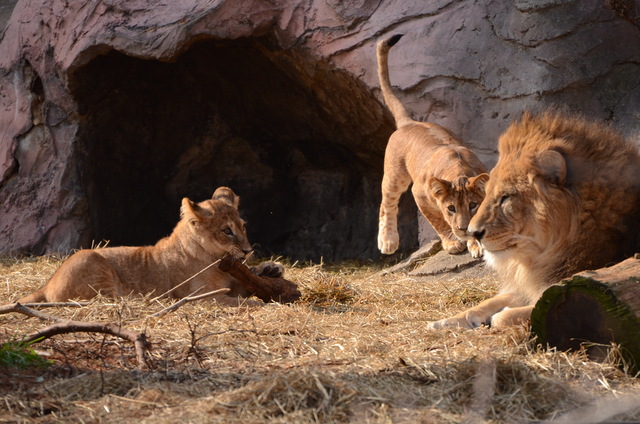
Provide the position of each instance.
(448, 179)
(564, 197)
(207, 231)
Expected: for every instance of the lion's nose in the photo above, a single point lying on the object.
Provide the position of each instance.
(247, 251)
(478, 234)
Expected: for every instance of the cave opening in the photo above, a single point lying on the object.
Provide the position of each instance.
(301, 143)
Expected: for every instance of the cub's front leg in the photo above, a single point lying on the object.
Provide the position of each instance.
(393, 185)
(475, 248)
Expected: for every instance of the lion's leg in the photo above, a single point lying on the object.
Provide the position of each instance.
(481, 314)
(450, 243)
(394, 183)
(512, 316)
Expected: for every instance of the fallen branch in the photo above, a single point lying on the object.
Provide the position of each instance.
(267, 289)
(187, 299)
(24, 310)
(185, 281)
(61, 326)
(139, 340)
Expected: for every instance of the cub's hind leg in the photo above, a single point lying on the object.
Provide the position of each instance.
(393, 185)
(82, 276)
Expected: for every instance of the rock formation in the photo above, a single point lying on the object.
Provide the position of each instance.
(112, 111)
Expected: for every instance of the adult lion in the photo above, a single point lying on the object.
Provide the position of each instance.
(563, 197)
(206, 232)
(448, 179)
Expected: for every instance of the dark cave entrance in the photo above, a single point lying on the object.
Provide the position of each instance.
(300, 142)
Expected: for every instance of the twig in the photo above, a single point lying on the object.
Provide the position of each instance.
(187, 299)
(62, 326)
(185, 281)
(139, 340)
(55, 304)
(24, 310)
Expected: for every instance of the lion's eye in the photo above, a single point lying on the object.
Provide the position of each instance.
(473, 205)
(451, 208)
(228, 231)
(503, 199)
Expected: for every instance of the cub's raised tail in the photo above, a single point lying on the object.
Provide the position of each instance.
(399, 112)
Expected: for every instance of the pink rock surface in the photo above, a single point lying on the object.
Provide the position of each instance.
(469, 65)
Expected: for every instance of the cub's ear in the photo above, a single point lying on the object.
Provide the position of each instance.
(190, 211)
(438, 187)
(551, 166)
(479, 181)
(226, 195)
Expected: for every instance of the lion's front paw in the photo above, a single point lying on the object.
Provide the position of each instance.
(470, 320)
(269, 269)
(453, 246)
(388, 241)
(475, 249)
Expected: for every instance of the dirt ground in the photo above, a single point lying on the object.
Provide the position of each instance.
(353, 349)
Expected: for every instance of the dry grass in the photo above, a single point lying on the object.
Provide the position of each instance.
(354, 349)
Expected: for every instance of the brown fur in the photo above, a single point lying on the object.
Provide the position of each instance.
(563, 197)
(448, 179)
(207, 231)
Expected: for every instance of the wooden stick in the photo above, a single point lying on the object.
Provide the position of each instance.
(266, 289)
(185, 281)
(139, 340)
(187, 299)
(24, 310)
(61, 326)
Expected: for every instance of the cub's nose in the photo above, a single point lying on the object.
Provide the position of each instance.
(478, 234)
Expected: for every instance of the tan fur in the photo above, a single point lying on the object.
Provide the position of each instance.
(206, 232)
(563, 197)
(448, 179)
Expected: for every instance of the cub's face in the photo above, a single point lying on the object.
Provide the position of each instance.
(216, 226)
(458, 201)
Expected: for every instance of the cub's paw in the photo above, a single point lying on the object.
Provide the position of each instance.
(475, 249)
(269, 269)
(388, 241)
(453, 246)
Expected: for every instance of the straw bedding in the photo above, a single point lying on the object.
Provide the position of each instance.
(353, 349)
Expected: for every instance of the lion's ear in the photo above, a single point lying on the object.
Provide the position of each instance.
(552, 166)
(479, 180)
(438, 187)
(226, 195)
(190, 211)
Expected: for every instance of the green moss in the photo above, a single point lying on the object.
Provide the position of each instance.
(17, 354)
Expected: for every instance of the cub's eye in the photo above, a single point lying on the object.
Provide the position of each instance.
(228, 231)
(451, 208)
(473, 205)
(503, 199)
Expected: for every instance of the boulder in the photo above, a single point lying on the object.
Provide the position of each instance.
(112, 111)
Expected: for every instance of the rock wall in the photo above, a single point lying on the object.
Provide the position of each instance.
(112, 111)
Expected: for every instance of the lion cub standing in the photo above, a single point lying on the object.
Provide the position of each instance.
(207, 231)
(448, 179)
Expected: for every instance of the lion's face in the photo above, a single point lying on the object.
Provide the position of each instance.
(459, 200)
(215, 225)
(526, 205)
(502, 218)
